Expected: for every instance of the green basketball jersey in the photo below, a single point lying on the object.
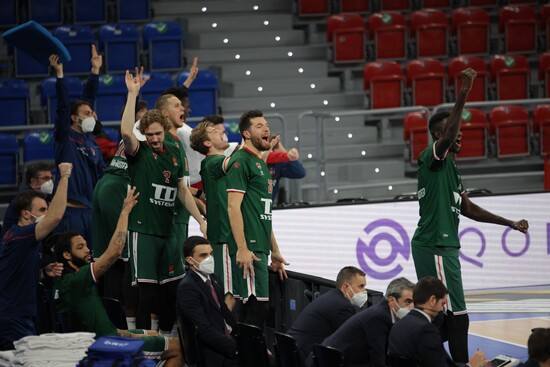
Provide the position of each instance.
(439, 196)
(249, 175)
(215, 188)
(119, 164)
(155, 176)
(181, 215)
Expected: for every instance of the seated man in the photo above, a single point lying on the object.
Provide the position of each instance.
(326, 314)
(416, 339)
(201, 307)
(538, 348)
(363, 338)
(78, 295)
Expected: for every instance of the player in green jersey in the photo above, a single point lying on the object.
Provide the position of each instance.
(442, 198)
(157, 170)
(249, 189)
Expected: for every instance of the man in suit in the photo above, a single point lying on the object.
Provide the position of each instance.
(416, 339)
(363, 338)
(201, 308)
(328, 312)
(538, 347)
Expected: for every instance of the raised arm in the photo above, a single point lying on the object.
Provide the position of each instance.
(63, 118)
(91, 86)
(131, 144)
(193, 72)
(477, 213)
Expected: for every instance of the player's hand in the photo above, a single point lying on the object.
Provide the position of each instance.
(131, 200)
(293, 154)
(203, 227)
(65, 169)
(193, 72)
(133, 84)
(478, 359)
(245, 259)
(56, 65)
(278, 263)
(275, 141)
(467, 77)
(54, 270)
(522, 226)
(96, 60)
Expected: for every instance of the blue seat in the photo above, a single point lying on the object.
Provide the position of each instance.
(38, 145)
(46, 12)
(78, 40)
(111, 97)
(133, 10)
(119, 43)
(48, 94)
(26, 66)
(8, 13)
(164, 42)
(113, 134)
(203, 94)
(157, 84)
(89, 11)
(14, 98)
(9, 150)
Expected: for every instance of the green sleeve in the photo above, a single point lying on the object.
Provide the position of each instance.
(214, 166)
(237, 177)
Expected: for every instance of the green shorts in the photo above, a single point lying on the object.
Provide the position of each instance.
(172, 260)
(153, 346)
(226, 269)
(443, 264)
(154, 259)
(258, 285)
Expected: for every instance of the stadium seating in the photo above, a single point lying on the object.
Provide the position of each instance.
(426, 78)
(14, 102)
(77, 39)
(475, 128)
(354, 6)
(164, 42)
(541, 127)
(519, 26)
(119, 43)
(157, 84)
(398, 5)
(9, 151)
(510, 73)
(27, 67)
(547, 173)
(111, 97)
(89, 11)
(479, 89)
(430, 29)
(113, 134)
(203, 94)
(471, 26)
(435, 3)
(286, 350)
(544, 72)
(38, 145)
(545, 17)
(9, 13)
(384, 82)
(415, 134)
(346, 32)
(483, 3)
(133, 10)
(327, 356)
(46, 12)
(510, 125)
(389, 32)
(313, 8)
(48, 94)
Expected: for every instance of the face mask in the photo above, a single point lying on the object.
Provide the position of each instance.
(47, 187)
(39, 218)
(207, 266)
(402, 312)
(359, 299)
(88, 124)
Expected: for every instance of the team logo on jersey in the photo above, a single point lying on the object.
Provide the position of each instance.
(167, 175)
(237, 165)
(259, 166)
(155, 155)
(270, 186)
(174, 161)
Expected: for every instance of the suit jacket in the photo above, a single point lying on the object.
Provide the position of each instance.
(363, 338)
(417, 339)
(201, 316)
(320, 319)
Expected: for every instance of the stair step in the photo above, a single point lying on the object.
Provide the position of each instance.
(237, 55)
(237, 22)
(174, 8)
(260, 38)
(276, 87)
(271, 70)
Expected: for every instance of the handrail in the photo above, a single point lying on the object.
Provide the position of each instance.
(507, 102)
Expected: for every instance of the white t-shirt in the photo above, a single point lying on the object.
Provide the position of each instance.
(193, 157)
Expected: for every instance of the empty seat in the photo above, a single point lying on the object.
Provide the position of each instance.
(286, 350)
(9, 13)
(38, 145)
(354, 6)
(252, 346)
(346, 32)
(403, 5)
(541, 127)
(203, 94)
(511, 127)
(158, 83)
(415, 134)
(27, 66)
(112, 133)
(389, 32)
(111, 97)
(519, 26)
(510, 73)
(119, 43)
(545, 17)
(46, 12)
(547, 174)
(475, 129)
(313, 8)
(163, 40)
(484, 3)
(426, 78)
(89, 11)
(544, 72)
(479, 89)
(48, 94)
(78, 40)
(384, 81)
(435, 3)
(133, 10)
(430, 29)
(471, 26)
(327, 356)
(8, 159)
(14, 102)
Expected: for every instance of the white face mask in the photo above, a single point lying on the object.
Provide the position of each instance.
(402, 312)
(47, 187)
(88, 124)
(207, 266)
(359, 299)
(39, 218)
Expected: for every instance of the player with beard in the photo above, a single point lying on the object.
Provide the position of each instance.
(442, 198)
(249, 188)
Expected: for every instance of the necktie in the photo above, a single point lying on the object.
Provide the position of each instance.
(213, 292)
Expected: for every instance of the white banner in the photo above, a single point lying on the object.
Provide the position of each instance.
(376, 238)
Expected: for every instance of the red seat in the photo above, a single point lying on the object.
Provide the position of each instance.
(388, 30)
(384, 81)
(430, 28)
(354, 6)
(545, 17)
(435, 4)
(347, 34)
(511, 128)
(511, 75)
(479, 89)
(474, 129)
(519, 25)
(395, 5)
(313, 8)
(415, 133)
(471, 26)
(544, 72)
(484, 3)
(541, 126)
(426, 78)
(547, 174)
